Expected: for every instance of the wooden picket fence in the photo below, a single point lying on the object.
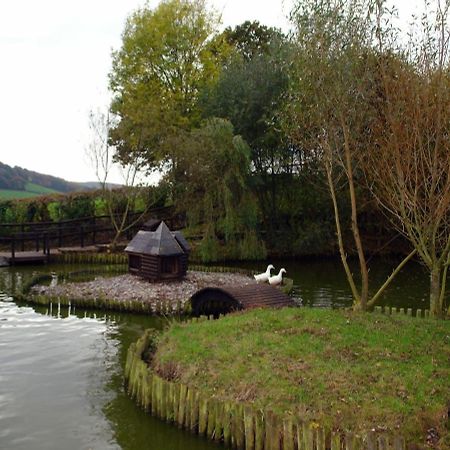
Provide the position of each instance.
(237, 425)
(222, 269)
(158, 308)
(90, 258)
(391, 310)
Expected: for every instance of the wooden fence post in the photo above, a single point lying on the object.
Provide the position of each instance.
(94, 231)
(259, 431)
(81, 236)
(202, 416)
(227, 424)
(288, 435)
(335, 441)
(59, 234)
(13, 250)
(249, 428)
(182, 406)
(22, 232)
(211, 418)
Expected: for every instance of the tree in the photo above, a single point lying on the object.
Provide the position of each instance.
(248, 93)
(410, 163)
(167, 56)
(329, 111)
(251, 39)
(215, 192)
(121, 202)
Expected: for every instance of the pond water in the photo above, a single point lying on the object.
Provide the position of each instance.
(61, 369)
(61, 380)
(323, 282)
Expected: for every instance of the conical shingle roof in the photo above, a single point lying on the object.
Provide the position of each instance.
(160, 242)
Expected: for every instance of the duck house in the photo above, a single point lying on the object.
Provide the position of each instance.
(158, 255)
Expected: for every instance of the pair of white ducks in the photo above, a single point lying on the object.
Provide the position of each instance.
(273, 280)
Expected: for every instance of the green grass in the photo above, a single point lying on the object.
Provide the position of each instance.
(32, 190)
(342, 369)
(37, 189)
(9, 194)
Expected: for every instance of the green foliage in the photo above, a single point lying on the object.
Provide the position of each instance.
(100, 207)
(314, 238)
(18, 213)
(209, 247)
(222, 184)
(77, 205)
(331, 76)
(251, 247)
(164, 61)
(251, 39)
(215, 188)
(46, 208)
(249, 92)
(54, 211)
(140, 204)
(9, 215)
(174, 75)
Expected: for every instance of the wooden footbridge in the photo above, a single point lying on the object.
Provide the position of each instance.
(10, 259)
(31, 242)
(226, 299)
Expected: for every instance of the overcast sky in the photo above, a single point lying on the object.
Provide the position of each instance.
(55, 56)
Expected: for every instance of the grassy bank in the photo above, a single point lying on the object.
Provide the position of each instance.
(344, 370)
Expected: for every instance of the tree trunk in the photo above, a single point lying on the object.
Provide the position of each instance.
(364, 298)
(114, 242)
(351, 281)
(436, 307)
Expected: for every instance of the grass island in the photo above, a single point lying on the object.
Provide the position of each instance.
(338, 370)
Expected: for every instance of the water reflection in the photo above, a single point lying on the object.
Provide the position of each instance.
(53, 374)
(13, 278)
(61, 380)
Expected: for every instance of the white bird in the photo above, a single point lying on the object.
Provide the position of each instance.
(263, 277)
(277, 279)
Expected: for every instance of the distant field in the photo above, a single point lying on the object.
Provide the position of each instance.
(36, 189)
(32, 190)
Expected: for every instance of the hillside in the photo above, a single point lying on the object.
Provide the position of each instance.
(16, 182)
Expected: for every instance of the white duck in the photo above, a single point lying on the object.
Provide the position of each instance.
(277, 279)
(263, 277)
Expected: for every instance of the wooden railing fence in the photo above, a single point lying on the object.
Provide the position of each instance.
(42, 236)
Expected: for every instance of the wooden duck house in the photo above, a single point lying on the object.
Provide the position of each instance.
(158, 255)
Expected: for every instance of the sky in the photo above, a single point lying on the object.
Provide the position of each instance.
(55, 56)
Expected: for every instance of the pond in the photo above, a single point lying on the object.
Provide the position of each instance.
(323, 282)
(61, 369)
(61, 380)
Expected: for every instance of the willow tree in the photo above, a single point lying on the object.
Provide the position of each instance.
(215, 192)
(410, 163)
(329, 111)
